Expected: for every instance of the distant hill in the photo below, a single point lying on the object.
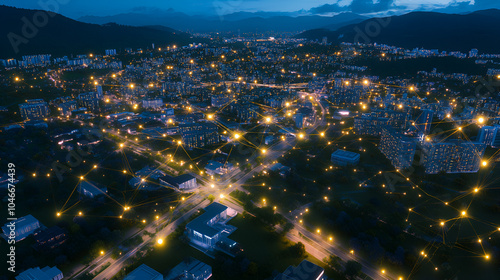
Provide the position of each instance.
(63, 36)
(237, 22)
(423, 29)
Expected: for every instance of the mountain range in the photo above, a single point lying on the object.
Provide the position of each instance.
(36, 32)
(430, 30)
(236, 22)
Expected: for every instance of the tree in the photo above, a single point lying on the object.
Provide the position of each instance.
(287, 228)
(352, 268)
(334, 262)
(298, 250)
(211, 198)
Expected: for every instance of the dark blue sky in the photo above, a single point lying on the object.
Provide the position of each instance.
(77, 8)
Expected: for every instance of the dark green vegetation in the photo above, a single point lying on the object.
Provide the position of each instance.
(63, 36)
(429, 30)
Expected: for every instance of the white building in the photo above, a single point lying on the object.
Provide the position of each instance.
(21, 228)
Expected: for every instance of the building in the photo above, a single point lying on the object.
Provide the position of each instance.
(89, 100)
(46, 273)
(369, 125)
(91, 189)
(144, 272)
(21, 228)
(50, 238)
(219, 100)
(306, 270)
(299, 120)
(183, 182)
(424, 121)
(208, 228)
(456, 156)
(488, 134)
(398, 148)
(195, 135)
(344, 158)
(34, 109)
(154, 104)
(190, 269)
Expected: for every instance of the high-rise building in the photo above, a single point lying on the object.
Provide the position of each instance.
(89, 100)
(34, 109)
(398, 148)
(457, 156)
(199, 134)
(154, 104)
(424, 121)
(488, 134)
(369, 125)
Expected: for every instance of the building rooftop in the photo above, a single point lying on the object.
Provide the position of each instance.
(144, 272)
(190, 266)
(345, 154)
(200, 224)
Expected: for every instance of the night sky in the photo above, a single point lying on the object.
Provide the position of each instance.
(78, 8)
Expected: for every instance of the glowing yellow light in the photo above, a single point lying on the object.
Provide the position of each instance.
(81, 177)
(221, 196)
(365, 82)
(58, 214)
(17, 79)
(121, 145)
(460, 128)
(301, 135)
(383, 271)
(476, 190)
(131, 85)
(143, 221)
(352, 252)
(183, 198)
(102, 253)
(330, 238)
(236, 136)
(318, 230)
(159, 241)
(210, 116)
(179, 142)
(346, 83)
(487, 257)
(480, 120)
(264, 151)
(80, 213)
(322, 134)
(268, 119)
(464, 213)
(114, 75)
(442, 223)
(412, 88)
(485, 163)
